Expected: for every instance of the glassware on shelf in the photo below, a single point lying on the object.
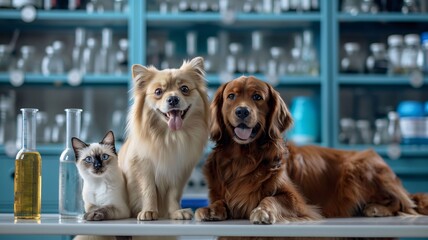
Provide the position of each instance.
(47, 61)
(79, 47)
(28, 171)
(26, 62)
(411, 56)
(88, 61)
(169, 60)
(59, 59)
(377, 62)
(274, 66)
(5, 57)
(70, 183)
(22, 3)
(410, 6)
(95, 6)
(235, 63)
(191, 44)
(212, 60)
(122, 57)
(394, 132)
(347, 133)
(43, 133)
(105, 61)
(395, 50)
(369, 6)
(412, 121)
(256, 62)
(309, 57)
(353, 61)
(424, 37)
(364, 132)
(351, 6)
(294, 67)
(58, 129)
(381, 136)
(306, 127)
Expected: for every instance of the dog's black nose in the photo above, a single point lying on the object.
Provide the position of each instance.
(242, 112)
(173, 101)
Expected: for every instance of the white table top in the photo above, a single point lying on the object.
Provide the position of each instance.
(51, 224)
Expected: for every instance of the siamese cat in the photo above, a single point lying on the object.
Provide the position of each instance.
(104, 188)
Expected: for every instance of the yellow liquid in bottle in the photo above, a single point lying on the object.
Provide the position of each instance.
(28, 185)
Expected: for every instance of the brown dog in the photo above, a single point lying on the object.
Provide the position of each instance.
(252, 173)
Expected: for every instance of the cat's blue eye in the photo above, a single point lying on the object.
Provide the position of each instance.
(104, 156)
(88, 159)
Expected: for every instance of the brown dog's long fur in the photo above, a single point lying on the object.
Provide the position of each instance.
(265, 179)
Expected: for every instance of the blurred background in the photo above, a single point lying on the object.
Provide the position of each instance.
(354, 73)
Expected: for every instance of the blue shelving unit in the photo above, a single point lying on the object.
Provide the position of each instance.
(62, 79)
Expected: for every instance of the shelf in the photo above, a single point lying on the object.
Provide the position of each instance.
(156, 18)
(214, 79)
(383, 17)
(406, 150)
(375, 79)
(67, 17)
(62, 79)
(344, 227)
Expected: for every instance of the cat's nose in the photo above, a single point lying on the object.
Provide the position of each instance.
(98, 164)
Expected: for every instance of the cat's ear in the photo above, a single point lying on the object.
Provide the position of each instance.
(109, 140)
(77, 146)
(141, 75)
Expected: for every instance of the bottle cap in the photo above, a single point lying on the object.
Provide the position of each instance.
(411, 39)
(395, 40)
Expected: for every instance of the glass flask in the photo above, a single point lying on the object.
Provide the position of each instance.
(395, 50)
(309, 58)
(256, 63)
(212, 60)
(70, 183)
(353, 61)
(28, 169)
(78, 48)
(411, 53)
(377, 62)
(26, 61)
(381, 135)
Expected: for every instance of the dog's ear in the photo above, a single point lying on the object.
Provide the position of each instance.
(194, 67)
(217, 123)
(279, 119)
(141, 75)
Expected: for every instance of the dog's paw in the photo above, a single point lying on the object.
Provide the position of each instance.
(376, 210)
(95, 215)
(262, 216)
(182, 214)
(147, 216)
(210, 214)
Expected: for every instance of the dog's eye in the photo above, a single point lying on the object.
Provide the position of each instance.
(257, 97)
(158, 91)
(88, 159)
(104, 156)
(231, 96)
(184, 89)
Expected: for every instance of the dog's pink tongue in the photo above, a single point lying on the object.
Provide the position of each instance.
(175, 122)
(243, 133)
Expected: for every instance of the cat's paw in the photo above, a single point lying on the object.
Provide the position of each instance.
(95, 215)
(182, 214)
(147, 216)
(262, 216)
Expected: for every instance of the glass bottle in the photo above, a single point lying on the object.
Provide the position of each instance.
(26, 62)
(58, 59)
(364, 131)
(273, 69)
(256, 63)
(395, 50)
(369, 6)
(105, 59)
(88, 61)
(191, 44)
(381, 133)
(350, 6)
(377, 62)
(70, 183)
(122, 57)
(348, 133)
(169, 60)
(234, 60)
(28, 169)
(78, 48)
(310, 64)
(394, 132)
(411, 52)
(353, 61)
(47, 61)
(424, 38)
(212, 60)
(410, 6)
(5, 57)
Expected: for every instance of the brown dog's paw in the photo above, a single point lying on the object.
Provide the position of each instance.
(95, 215)
(262, 216)
(376, 210)
(147, 216)
(210, 214)
(182, 214)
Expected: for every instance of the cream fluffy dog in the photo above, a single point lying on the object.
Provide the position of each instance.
(168, 127)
